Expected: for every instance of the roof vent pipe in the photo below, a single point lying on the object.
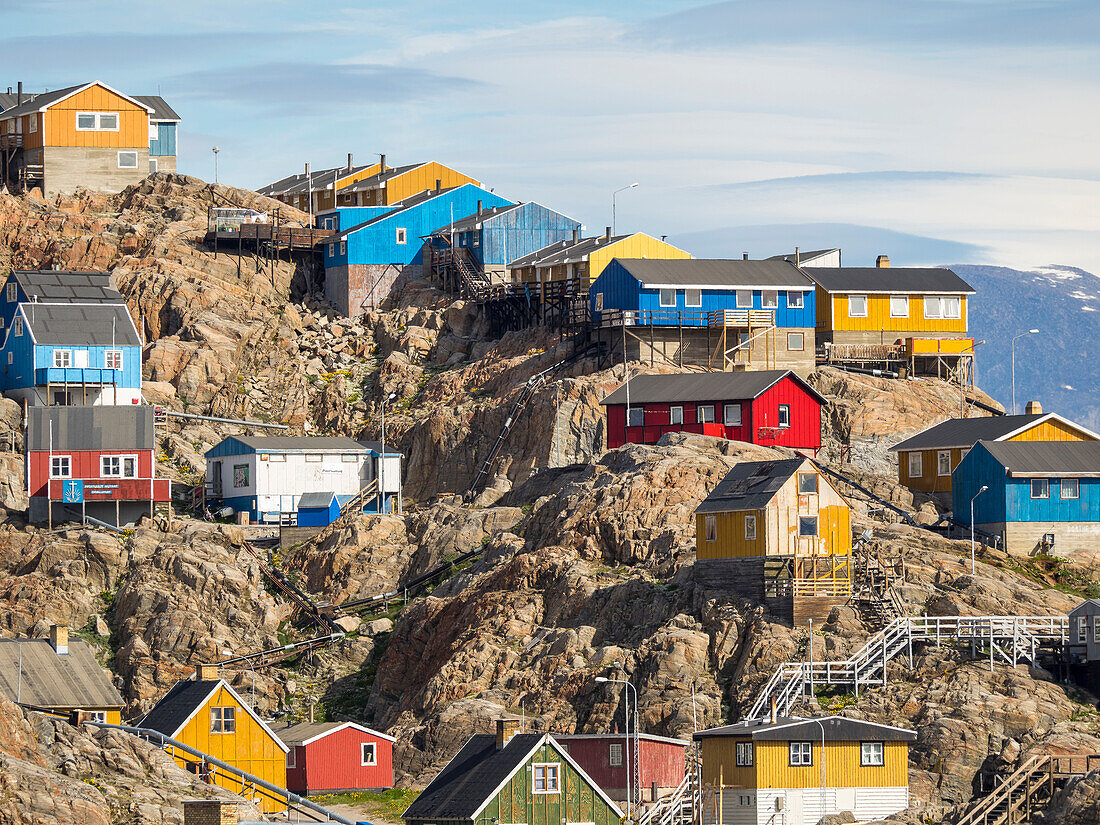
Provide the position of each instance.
(19, 94)
(479, 207)
(744, 256)
(438, 184)
(576, 235)
(382, 163)
(607, 234)
(797, 257)
(349, 161)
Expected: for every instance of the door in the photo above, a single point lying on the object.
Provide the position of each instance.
(216, 479)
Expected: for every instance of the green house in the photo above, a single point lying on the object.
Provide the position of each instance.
(512, 778)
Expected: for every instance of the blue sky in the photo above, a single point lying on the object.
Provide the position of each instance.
(925, 129)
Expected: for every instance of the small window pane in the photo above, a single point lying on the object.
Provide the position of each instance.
(750, 528)
(635, 417)
(769, 298)
(796, 300)
(796, 341)
(693, 297)
(676, 415)
(943, 463)
(108, 123)
(807, 526)
(784, 416)
(932, 308)
(744, 299)
(916, 468)
(1040, 488)
(615, 754)
(871, 754)
(899, 306)
(857, 306)
(1070, 488)
(85, 122)
(731, 415)
(711, 526)
(127, 160)
(668, 297)
(706, 413)
(807, 483)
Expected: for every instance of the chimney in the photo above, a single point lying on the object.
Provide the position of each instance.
(19, 94)
(506, 729)
(1033, 408)
(744, 256)
(210, 812)
(349, 161)
(663, 238)
(576, 235)
(207, 673)
(382, 163)
(772, 717)
(607, 234)
(438, 184)
(479, 207)
(59, 639)
(797, 257)
(883, 262)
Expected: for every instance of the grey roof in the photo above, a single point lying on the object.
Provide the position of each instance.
(571, 251)
(470, 222)
(539, 254)
(750, 485)
(317, 179)
(715, 273)
(398, 208)
(887, 279)
(51, 681)
(803, 256)
(1047, 458)
(36, 102)
(1089, 607)
(299, 443)
(645, 737)
(93, 325)
(68, 287)
(965, 432)
(836, 729)
(307, 500)
(128, 427)
(475, 772)
(160, 107)
(374, 181)
(703, 386)
(178, 704)
(8, 101)
(304, 731)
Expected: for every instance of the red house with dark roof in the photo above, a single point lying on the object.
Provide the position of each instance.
(609, 757)
(331, 757)
(773, 408)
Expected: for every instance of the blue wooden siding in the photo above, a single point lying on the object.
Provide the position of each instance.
(228, 447)
(345, 217)
(9, 307)
(519, 232)
(165, 143)
(978, 467)
(20, 372)
(129, 376)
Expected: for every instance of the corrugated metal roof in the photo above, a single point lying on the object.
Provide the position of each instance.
(578, 251)
(91, 428)
(51, 681)
(470, 222)
(90, 325)
(300, 443)
(965, 432)
(297, 734)
(160, 107)
(750, 485)
(1047, 458)
(74, 287)
(539, 254)
(315, 500)
(887, 279)
(804, 257)
(715, 273)
(836, 729)
(703, 386)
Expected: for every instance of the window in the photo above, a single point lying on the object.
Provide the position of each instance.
(402, 235)
(857, 306)
(343, 246)
(784, 416)
(952, 307)
(744, 299)
(615, 754)
(949, 307)
(291, 759)
(277, 457)
(1070, 488)
(1082, 628)
(12, 293)
(17, 327)
(332, 250)
(62, 358)
(348, 458)
(81, 357)
(796, 300)
(108, 122)
(871, 754)
(668, 297)
(112, 359)
(240, 475)
(744, 754)
(546, 778)
(313, 458)
(899, 306)
(710, 524)
(750, 528)
(1040, 488)
(693, 297)
(33, 122)
(599, 302)
(85, 121)
(152, 166)
(704, 413)
(118, 466)
(98, 716)
(635, 417)
(369, 755)
(802, 754)
(731, 415)
(807, 526)
(1096, 629)
(807, 483)
(127, 160)
(154, 130)
(916, 468)
(769, 298)
(675, 415)
(61, 466)
(943, 462)
(223, 720)
(796, 341)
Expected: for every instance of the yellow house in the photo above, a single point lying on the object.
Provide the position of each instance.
(59, 675)
(585, 258)
(927, 459)
(205, 713)
(795, 771)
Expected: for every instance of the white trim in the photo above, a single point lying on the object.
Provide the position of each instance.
(791, 724)
(220, 684)
(803, 288)
(847, 291)
(345, 726)
(363, 763)
(900, 446)
(148, 109)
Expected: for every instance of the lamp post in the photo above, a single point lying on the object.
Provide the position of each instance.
(382, 459)
(215, 150)
(19, 682)
(1021, 335)
(982, 490)
(632, 759)
(613, 194)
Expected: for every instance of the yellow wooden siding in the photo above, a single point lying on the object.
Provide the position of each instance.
(1052, 430)
(32, 140)
(424, 177)
(638, 245)
(133, 121)
(250, 748)
(878, 316)
(842, 766)
(835, 527)
(719, 758)
(929, 481)
(731, 541)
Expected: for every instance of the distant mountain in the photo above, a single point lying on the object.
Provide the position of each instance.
(1060, 366)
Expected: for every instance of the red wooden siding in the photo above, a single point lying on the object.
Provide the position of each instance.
(805, 429)
(661, 762)
(85, 465)
(333, 763)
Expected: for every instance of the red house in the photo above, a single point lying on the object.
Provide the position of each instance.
(92, 461)
(775, 408)
(331, 757)
(608, 757)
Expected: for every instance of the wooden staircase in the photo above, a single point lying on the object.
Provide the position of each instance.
(1028, 789)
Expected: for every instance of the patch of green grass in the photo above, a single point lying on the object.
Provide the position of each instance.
(388, 804)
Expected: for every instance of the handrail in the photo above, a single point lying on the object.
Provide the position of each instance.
(1005, 790)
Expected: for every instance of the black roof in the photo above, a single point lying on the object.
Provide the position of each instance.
(1047, 458)
(966, 432)
(803, 256)
(475, 772)
(177, 706)
(68, 287)
(576, 251)
(32, 103)
(408, 203)
(160, 107)
(836, 729)
(374, 181)
(715, 273)
(122, 427)
(750, 485)
(703, 386)
(91, 325)
(471, 221)
(887, 279)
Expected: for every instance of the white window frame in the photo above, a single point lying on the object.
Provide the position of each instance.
(750, 528)
(343, 246)
(99, 122)
(17, 326)
(112, 355)
(769, 299)
(895, 311)
(1045, 482)
(663, 299)
(95, 122)
(313, 458)
(676, 414)
(630, 416)
(784, 416)
(12, 292)
(806, 524)
(704, 414)
(276, 457)
(223, 719)
(851, 310)
(332, 250)
(741, 297)
(599, 302)
(549, 770)
(796, 299)
(62, 359)
(941, 455)
(133, 165)
(951, 306)
(800, 754)
(113, 466)
(401, 236)
(1076, 489)
(1096, 629)
(693, 298)
(872, 754)
(291, 757)
(800, 337)
(98, 716)
(154, 130)
(615, 754)
(710, 527)
(744, 754)
(64, 466)
(348, 458)
(916, 463)
(729, 420)
(1082, 629)
(363, 759)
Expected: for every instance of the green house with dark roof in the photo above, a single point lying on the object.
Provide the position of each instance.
(513, 777)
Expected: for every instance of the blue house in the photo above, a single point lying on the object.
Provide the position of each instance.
(1041, 496)
(347, 216)
(365, 263)
(755, 314)
(72, 354)
(163, 122)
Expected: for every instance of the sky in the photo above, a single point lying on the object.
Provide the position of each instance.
(935, 131)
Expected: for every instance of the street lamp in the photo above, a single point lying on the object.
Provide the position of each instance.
(984, 488)
(215, 151)
(613, 194)
(1021, 335)
(382, 460)
(19, 683)
(632, 759)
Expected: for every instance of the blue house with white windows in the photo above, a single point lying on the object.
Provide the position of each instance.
(365, 263)
(732, 314)
(343, 217)
(68, 339)
(1039, 496)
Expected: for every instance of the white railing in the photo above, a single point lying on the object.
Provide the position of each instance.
(676, 808)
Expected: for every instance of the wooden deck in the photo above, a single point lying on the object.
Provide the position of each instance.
(284, 237)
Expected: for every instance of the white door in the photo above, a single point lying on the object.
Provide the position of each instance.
(80, 358)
